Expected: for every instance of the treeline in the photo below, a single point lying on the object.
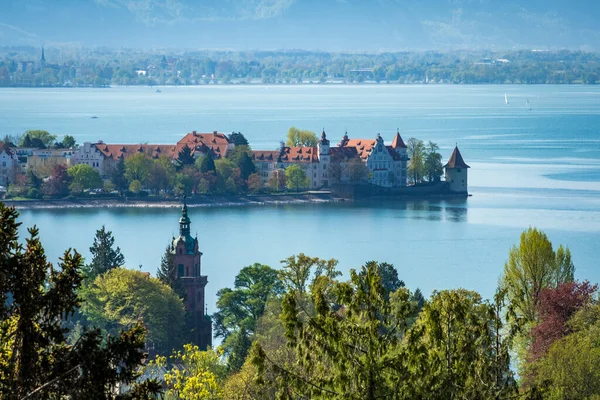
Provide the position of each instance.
(22, 67)
(301, 331)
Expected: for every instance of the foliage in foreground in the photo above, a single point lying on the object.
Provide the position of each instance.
(35, 358)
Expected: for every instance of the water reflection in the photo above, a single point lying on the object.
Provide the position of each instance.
(451, 210)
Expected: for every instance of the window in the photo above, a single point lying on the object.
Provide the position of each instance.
(324, 166)
(180, 270)
(4, 163)
(315, 174)
(458, 170)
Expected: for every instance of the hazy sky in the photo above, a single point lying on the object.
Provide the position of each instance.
(354, 25)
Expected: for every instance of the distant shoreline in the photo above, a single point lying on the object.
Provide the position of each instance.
(304, 84)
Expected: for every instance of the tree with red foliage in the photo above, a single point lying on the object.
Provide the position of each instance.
(556, 306)
(58, 183)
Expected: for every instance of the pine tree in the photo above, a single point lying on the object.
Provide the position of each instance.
(104, 257)
(117, 176)
(246, 166)
(35, 359)
(207, 164)
(167, 273)
(185, 157)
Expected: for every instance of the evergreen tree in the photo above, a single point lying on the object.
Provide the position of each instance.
(117, 176)
(35, 360)
(246, 166)
(104, 257)
(185, 157)
(167, 273)
(207, 164)
(237, 138)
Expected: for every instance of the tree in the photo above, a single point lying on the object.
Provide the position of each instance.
(388, 275)
(161, 176)
(137, 168)
(295, 177)
(68, 142)
(206, 163)
(555, 307)
(277, 180)
(167, 273)
(239, 309)
(569, 370)
(433, 168)
(185, 157)
(35, 358)
(38, 136)
(302, 138)
(187, 181)
(254, 183)
(195, 374)
(357, 171)
(531, 268)
(121, 297)
(458, 349)
(104, 257)
(58, 183)
(237, 138)
(416, 153)
(246, 166)
(83, 177)
(117, 176)
(347, 338)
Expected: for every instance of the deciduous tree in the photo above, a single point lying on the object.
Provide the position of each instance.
(295, 177)
(195, 374)
(83, 177)
(531, 268)
(240, 308)
(303, 138)
(44, 137)
(433, 168)
(137, 168)
(121, 297)
(416, 153)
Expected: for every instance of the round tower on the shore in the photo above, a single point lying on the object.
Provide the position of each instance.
(456, 172)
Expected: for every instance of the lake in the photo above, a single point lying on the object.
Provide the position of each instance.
(538, 167)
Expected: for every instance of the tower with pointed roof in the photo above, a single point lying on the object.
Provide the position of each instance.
(187, 259)
(401, 150)
(456, 172)
(43, 59)
(324, 159)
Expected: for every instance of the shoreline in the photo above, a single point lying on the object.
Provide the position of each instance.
(193, 202)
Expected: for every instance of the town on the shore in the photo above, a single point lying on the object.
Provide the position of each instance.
(39, 167)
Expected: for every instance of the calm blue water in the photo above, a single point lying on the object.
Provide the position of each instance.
(529, 168)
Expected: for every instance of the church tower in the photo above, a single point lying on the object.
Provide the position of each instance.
(187, 259)
(43, 59)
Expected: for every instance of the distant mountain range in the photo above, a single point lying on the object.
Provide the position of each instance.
(332, 25)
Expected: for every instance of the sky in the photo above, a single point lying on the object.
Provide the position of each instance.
(329, 25)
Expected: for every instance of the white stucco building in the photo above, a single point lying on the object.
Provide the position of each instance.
(8, 165)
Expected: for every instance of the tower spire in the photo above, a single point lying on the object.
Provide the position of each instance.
(184, 221)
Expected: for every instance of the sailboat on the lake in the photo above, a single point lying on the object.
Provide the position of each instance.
(527, 105)
(505, 99)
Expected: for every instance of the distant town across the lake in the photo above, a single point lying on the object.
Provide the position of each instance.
(60, 67)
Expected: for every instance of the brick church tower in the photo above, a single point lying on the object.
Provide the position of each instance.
(187, 258)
